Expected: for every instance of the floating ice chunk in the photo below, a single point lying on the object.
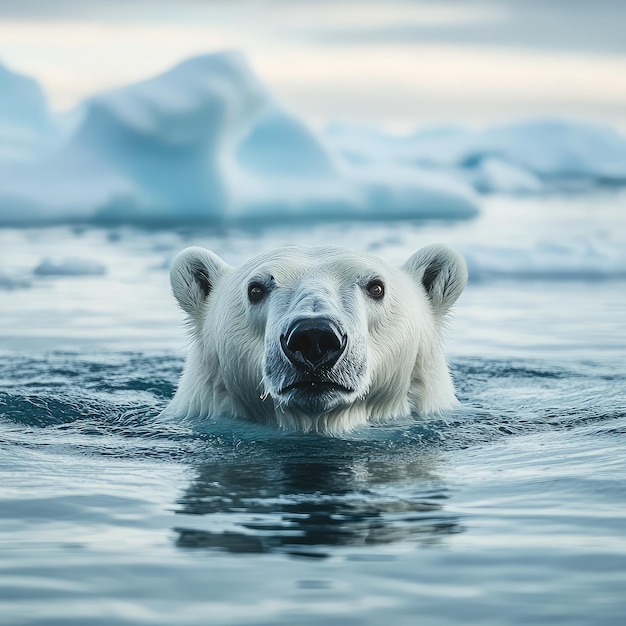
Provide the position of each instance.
(69, 267)
(13, 282)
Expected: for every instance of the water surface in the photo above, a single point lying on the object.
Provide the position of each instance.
(509, 510)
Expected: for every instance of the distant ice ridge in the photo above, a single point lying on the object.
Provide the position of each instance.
(523, 157)
(205, 142)
(548, 260)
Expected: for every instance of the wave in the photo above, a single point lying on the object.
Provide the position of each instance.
(113, 405)
(255, 489)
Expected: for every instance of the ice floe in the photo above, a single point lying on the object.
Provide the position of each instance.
(205, 142)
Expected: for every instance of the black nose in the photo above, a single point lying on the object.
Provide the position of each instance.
(312, 343)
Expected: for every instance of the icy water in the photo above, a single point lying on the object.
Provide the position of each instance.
(511, 510)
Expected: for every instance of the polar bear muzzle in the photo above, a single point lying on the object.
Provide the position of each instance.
(313, 378)
(313, 343)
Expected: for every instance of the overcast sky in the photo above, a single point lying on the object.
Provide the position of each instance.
(394, 62)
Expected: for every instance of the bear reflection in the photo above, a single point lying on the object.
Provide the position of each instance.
(305, 506)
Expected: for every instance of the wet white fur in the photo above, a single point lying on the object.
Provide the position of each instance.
(397, 339)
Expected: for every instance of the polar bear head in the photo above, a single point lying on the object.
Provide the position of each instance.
(320, 339)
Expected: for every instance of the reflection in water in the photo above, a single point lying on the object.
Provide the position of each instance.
(301, 502)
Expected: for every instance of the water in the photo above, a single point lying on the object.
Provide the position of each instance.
(510, 510)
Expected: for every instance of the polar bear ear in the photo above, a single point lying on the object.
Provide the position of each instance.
(442, 272)
(193, 274)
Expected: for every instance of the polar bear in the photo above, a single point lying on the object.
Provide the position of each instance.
(316, 339)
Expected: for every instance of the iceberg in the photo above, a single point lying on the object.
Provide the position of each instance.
(205, 142)
(570, 259)
(69, 267)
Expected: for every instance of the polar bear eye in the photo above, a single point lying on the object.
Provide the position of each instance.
(256, 292)
(376, 289)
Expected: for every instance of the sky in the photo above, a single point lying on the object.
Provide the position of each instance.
(399, 64)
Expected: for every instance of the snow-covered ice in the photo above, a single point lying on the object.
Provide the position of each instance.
(526, 156)
(205, 142)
